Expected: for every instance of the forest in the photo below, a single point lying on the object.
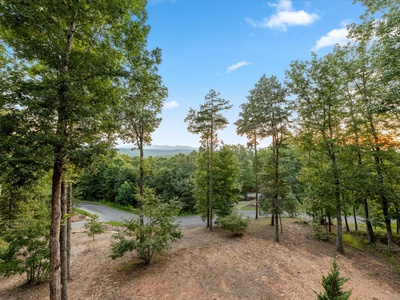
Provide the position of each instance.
(78, 75)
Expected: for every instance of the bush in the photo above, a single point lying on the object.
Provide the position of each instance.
(333, 284)
(94, 227)
(25, 249)
(234, 223)
(154, 234)
(318, 232)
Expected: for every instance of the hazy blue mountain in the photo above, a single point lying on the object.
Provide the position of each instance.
(156, 150)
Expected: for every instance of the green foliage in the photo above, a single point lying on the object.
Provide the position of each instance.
(78, 211)
(154, 235)
(209, 118)
(226, 187)
(234, 223)
(173, 177)
(318, 231)
(353, 241)
(333, 285)
(94, 227)
(126, 193)
(115, 177)
(26, 248)
(115, 223)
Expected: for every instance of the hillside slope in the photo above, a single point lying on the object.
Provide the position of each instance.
(213, 265)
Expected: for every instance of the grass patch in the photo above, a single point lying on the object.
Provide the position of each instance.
(245, 205)
(392, 260)
(79, 211)
(115, 223)
(379, 230)
(128, 208)
(353, 241)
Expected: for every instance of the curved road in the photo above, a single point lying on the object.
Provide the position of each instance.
(107, 214)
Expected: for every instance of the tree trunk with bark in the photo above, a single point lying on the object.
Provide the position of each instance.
(211, 177)
(141, 179)
(339, 231)
(256, 174)
(55, 264)
(276, 228)
(63, 242)
(69, 229)
(276, 185)
(329, 222)
(355, 218)
(384, 202)
(370, 230)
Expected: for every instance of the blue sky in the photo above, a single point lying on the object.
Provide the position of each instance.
(227, 45)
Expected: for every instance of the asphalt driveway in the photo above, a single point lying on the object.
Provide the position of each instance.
(108, 214)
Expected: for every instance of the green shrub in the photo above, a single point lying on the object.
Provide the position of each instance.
(25, 249)
(154, 234)
(234, 223)
(318, 232)
(94, 227)
(333, 284)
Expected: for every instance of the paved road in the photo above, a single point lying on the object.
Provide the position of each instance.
(107, 214)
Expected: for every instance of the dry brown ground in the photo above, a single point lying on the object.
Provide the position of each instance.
(213, 265)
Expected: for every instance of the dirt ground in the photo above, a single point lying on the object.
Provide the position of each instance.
(214, 265)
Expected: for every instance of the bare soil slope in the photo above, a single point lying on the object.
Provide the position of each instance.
(213, 265)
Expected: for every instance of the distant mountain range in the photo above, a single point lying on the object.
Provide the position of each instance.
(156, 150)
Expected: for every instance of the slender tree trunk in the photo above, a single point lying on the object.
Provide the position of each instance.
(141, 179)
(280, 221)
(339, 234)
(55, 267)
(370, 230)
(256, 174)
(211, 178)
(63, 243)
(384, 202)
(379, 173)
(329, 222)
(276, 228)
(69, 229)
(339, 230)
(346, 222)
(276, 186)
(355, 217)
(59, 152)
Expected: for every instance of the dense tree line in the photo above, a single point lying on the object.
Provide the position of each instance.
(115, 179)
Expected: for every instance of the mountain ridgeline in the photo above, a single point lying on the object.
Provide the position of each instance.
(155, 150)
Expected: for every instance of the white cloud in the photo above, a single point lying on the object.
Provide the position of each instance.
(285, 17)
(335, 36)
(171, 104)
(237, 66)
